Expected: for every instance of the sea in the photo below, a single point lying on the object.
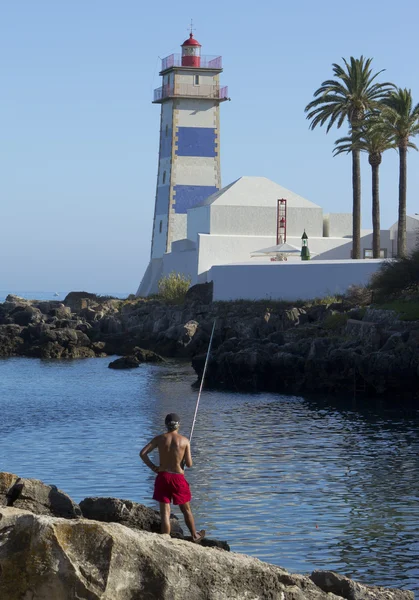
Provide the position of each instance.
(304, 483)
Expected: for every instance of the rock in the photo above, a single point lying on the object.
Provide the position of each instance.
(277, 337)
(132, 361)
(147, 355)
(130, 514)
(61, 312)
(6, 482)
(48, 558)
(41, 499)
(341, 586)
(23, 315)
(200, 293)
(369, 333)
(16, 299)
(11, 341)
(381, 316)
(125, 362)
(45, 306)
(76, 301)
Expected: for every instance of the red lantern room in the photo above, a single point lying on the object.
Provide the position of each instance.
(191, 52)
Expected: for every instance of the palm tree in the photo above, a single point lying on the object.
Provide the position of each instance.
(374, 138)
(402, 120)
(349, 96)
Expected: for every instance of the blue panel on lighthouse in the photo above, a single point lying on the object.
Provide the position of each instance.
(196, 141)
(166, 144)
(162, 199)
(188, 196)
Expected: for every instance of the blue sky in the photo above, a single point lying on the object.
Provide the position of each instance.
(79, 135)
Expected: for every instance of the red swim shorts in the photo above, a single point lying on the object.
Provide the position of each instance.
(170, 487)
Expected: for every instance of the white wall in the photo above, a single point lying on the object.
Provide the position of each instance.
(181, 262)
(338, 225)
(177, 227)
(196, 170)
(341, 248)
(188, 108)
(289, 281)
(261, 220)
(223, 249)
(198, 222)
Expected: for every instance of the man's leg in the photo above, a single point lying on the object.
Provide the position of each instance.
(165, 517)
(188, 516)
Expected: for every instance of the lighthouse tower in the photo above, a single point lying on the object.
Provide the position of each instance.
(189, 153)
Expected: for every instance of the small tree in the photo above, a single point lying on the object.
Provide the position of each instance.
(374, 138)
(173, 287)
(402, 120)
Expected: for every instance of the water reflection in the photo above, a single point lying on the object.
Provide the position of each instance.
(300, 483)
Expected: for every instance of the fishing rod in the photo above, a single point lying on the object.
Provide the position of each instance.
(202, 379)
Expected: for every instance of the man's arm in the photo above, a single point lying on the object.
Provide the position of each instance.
(146, 451)
(187, 457)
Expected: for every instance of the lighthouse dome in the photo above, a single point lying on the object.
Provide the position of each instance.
(191, 41)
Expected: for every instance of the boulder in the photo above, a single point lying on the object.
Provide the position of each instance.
(11, 342)
(333, 583)
(125, 362)
(130, 514)
(47, 558)
(200, 293)
(41, 499)
(6, 482)
(23, 315)
(147, 355)
(13, 299)
(132, 361)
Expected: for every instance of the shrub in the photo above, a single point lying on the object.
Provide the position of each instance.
(173, 287)
(396, 276)
(335, 321)
(360, 295)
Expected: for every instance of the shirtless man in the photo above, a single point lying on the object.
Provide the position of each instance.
(174, 452)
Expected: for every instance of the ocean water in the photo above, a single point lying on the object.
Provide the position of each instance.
(38, 295)
(299, 483)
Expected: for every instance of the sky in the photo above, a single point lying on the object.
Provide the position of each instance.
(79, 134)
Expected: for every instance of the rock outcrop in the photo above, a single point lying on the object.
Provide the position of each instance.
(335, 348)
(130, 514)
(47, 558)
(41, 499)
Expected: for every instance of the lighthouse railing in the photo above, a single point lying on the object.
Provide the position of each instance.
(206, 62)
(186, 89)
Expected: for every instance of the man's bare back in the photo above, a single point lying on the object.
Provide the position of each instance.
(174, 449)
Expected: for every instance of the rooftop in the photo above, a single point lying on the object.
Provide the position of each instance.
(256, 191)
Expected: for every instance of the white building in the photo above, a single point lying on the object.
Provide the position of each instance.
(199, 227)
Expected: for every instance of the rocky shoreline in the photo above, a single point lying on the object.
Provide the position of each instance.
(258, 346)
(107, 549)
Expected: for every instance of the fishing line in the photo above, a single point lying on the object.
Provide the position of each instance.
(202, 379)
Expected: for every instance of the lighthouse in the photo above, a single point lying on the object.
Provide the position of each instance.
(189, 150)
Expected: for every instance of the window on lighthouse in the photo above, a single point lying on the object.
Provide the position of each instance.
(161, 226)
(164, 176)
(196, 81)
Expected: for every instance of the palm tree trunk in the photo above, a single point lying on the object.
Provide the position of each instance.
(401, 232)
(375, 211)
(356, 208)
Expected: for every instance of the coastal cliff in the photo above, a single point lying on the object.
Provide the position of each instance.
(336, 347)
